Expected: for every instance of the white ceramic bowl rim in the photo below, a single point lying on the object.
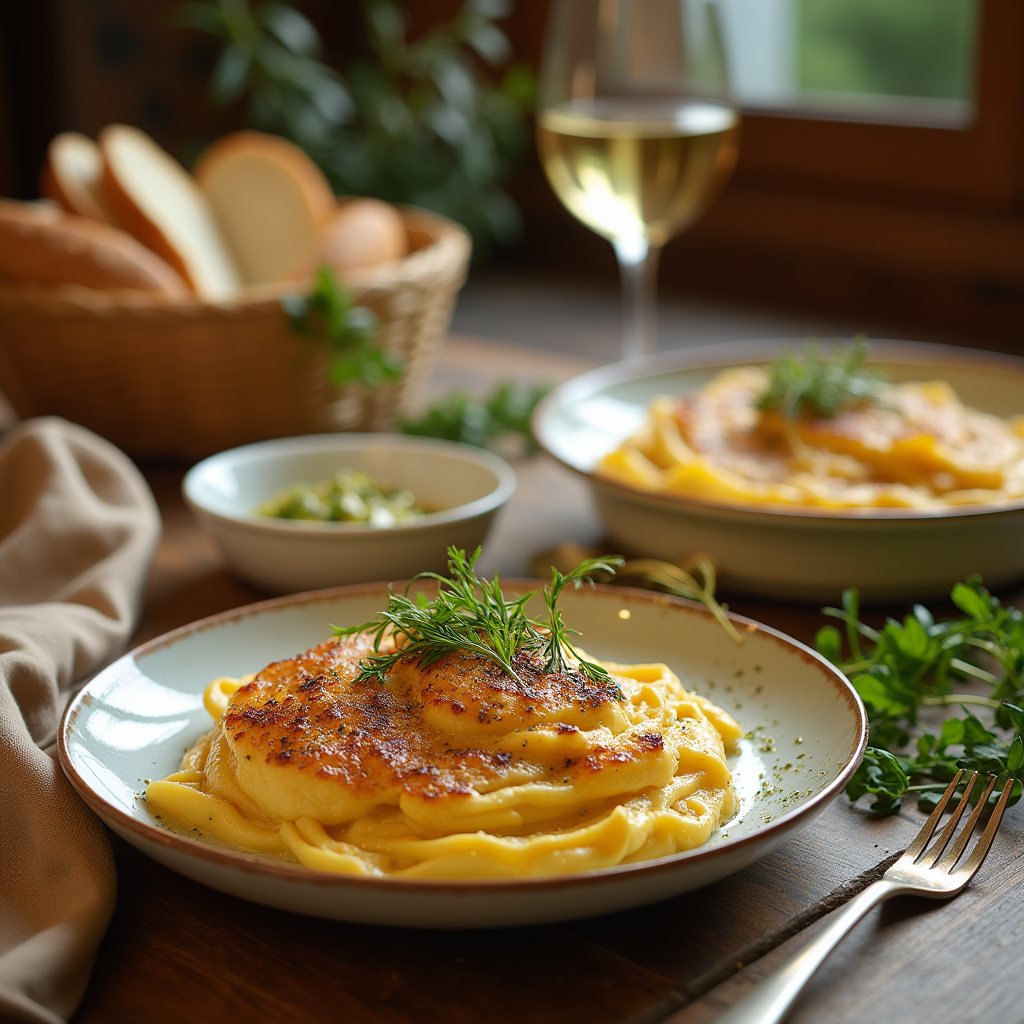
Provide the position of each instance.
(342, 442)
(257, 865)
(763, 350)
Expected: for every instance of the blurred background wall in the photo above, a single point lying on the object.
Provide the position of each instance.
(881, 176)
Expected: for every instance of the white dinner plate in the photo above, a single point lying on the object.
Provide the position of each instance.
(806, 554)
(806, 731)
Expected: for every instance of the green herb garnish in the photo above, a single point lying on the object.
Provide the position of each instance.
(501, 418)
(820, 384)
(346, 497)
(683, 584)
(472, 615)
(328, 313)
(921, 663)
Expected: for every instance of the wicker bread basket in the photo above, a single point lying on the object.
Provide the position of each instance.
(185, 378)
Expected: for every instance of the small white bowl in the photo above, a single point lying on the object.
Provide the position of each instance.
(463, 486)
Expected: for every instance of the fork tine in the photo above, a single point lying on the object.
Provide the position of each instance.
(929, 858)
(948, 862)
(922, 838)
(981, 850)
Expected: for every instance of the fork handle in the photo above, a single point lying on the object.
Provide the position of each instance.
(771, 999)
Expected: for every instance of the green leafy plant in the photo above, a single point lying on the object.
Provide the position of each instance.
(820, 384)
(500, 419)
(920, 663)
(473, 615)
(327, 313)
(418, 121)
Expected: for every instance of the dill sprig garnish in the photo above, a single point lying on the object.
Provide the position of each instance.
(678, 581)
(472, 615)
(821, 384)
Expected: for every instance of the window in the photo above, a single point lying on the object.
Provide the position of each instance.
(902, 61)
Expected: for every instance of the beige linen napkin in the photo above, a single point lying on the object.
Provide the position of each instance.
(78, 526)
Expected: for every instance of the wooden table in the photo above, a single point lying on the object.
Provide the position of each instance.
(177, 951)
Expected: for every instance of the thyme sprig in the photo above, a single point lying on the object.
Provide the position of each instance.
(472, 614)
(820, 384)
(921, 663)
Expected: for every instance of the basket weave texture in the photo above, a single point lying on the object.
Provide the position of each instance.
(184, 378)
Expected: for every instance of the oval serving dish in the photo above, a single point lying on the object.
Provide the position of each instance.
(791, 552)
(132, 721)
(460, 487)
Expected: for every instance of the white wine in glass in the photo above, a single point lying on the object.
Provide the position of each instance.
(635, 130)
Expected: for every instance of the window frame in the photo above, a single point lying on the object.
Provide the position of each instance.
(975, 167)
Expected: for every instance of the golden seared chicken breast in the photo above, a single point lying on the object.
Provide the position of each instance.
(458, 769)
(915, 445)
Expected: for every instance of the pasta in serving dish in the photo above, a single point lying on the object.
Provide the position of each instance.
(455, 767)
(916, 446)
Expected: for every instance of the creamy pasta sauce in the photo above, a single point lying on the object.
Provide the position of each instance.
(457, 770)
(919, 447)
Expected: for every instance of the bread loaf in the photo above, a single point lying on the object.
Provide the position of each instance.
(43, 245)
(362, 233)
(71, 176)
(155, 199)
(270, 201)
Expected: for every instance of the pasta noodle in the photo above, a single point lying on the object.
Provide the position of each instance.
(455, 770)
(920, 447)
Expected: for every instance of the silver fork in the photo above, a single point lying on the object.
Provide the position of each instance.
(921, 871)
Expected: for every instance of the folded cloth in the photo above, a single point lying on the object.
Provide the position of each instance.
(78, 527)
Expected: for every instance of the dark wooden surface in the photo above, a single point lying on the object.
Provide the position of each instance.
(177, 951)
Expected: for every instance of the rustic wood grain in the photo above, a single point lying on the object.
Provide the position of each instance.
(913, 959)
(699, 938)
(178, 951)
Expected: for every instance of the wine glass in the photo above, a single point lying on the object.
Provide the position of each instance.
(636, 130)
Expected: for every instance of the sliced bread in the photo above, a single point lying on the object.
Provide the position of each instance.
(155, 199)
(362, 233)
(71, 175)
(43, 245)
(270, 201)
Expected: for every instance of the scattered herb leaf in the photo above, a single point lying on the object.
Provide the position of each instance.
(920, 663)
(683, 584)
(329, 314)
(820, 384)
(472, 614)
(497, 421)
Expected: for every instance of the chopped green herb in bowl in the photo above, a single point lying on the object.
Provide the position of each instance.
(347, 497)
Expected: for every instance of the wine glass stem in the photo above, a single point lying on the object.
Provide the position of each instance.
(638, 265)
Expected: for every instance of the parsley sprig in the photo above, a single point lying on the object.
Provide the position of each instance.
(921, 663)
(500, 420)
(820, 384)
(328, 313)
(471, 614)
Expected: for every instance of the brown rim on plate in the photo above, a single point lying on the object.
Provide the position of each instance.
(715, 357)
(255, 864)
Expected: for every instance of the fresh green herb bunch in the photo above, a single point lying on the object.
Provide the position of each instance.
(820, 384)
(421, 121)
(920, 663)
(329, 314)
(473, 615)
(501, 418)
